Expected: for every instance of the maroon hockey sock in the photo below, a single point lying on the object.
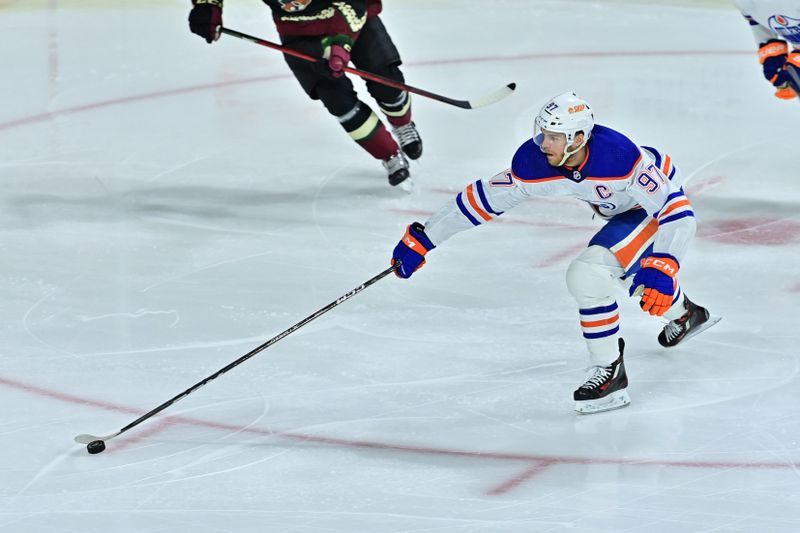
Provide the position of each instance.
(380, 143)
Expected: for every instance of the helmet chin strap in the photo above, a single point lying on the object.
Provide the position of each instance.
(568, 154)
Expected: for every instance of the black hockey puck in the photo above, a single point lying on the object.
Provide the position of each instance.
(96, 446)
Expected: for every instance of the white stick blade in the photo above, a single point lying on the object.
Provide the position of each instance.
(493, 97)
(86, 439)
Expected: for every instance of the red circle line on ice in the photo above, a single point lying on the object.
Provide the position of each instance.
(532, 464)
(100, 104)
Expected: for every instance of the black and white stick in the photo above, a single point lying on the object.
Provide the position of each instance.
(485, 100)
(96, 443)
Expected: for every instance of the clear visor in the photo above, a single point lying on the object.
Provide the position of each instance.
(540, 133)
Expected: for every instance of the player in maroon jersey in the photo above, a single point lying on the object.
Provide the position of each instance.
(337, 32)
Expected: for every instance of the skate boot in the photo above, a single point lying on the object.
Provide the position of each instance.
(410, 141)
(604, 389)
(695, 320)
(397, 168)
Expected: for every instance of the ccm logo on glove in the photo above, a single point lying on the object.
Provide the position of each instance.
(667, 266)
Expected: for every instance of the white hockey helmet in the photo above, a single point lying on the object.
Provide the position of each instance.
(566, 113)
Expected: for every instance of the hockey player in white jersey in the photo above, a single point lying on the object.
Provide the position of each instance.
(650, 225)
(776, 28)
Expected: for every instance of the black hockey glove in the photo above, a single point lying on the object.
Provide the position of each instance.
(205, 18)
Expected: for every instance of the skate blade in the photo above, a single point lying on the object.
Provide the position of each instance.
(407, 185)
(615, 400)
(700, 329)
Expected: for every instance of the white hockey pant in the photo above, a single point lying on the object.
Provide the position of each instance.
(592, 278)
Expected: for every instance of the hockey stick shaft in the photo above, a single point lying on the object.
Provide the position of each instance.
(85, 439)
(464, 104)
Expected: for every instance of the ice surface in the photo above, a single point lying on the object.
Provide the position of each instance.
(168, 205)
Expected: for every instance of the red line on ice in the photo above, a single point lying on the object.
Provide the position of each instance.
(30, 119)
(566, 253)
(520, 478)
(579, 55)
(541, 462)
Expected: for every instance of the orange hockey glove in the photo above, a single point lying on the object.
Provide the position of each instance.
(774, 58)
(657, 276)
(792, 68)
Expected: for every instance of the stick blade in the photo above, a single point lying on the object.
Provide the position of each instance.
(85, 438)
(493, 97)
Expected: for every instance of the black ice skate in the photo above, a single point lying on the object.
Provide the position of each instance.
(695, 320)
(605, 388)
(410, 141)
(397, 168)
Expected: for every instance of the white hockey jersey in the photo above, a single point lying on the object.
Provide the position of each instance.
(773, 19)
(617, 176)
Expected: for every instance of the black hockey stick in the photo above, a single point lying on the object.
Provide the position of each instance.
(464, 104)
(96, 443)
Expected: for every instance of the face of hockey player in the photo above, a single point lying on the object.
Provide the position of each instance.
(554, 144)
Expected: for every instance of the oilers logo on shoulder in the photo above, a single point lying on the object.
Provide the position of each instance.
(787, 28)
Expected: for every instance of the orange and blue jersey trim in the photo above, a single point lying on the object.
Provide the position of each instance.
(676, 207)
(630, 249)
(617, 178)
(586, 178)
(476, 209)
(664, 163)
(629, 236)
(537, 180)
